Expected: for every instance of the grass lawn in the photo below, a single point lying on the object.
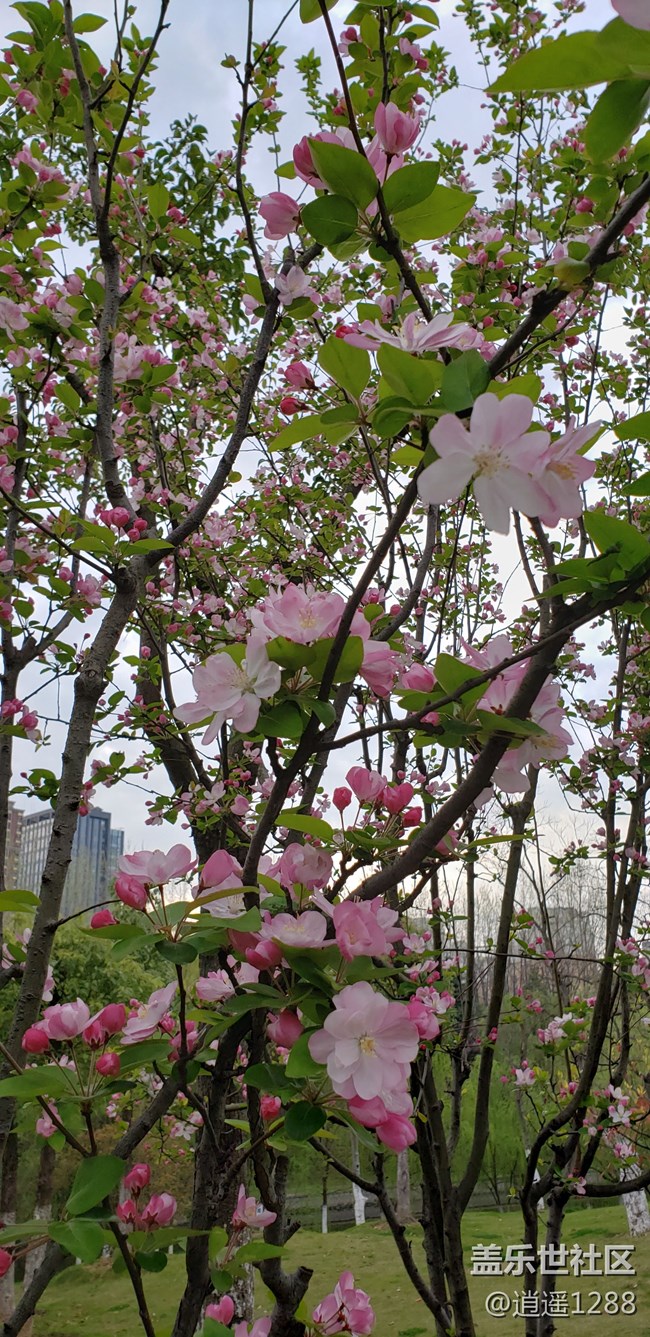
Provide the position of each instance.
(92, 1302)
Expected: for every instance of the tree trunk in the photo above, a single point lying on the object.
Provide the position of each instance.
(403, 1189)
(358, 1195)
(8, 1204)
(636, 1204)
(42, 1212)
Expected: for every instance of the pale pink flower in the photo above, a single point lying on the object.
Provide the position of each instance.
(64, 1021)
(220, 873)
(367, 1042)
(45, 1125)
(11, 317)
(214, 986)
(634, 12)
(365, 928)
(227, 690)
(306, 865)
(153, 868)
(367, 786)
(379, 666)
(388, 1117)
(293, 285)
(347, 1309)
(524, 1076)
(301, 615)
(423, 1016)
(305, 930)
(396, 130)
(565, 470)
(498, 453)
(419, 678)
(414, 335)
(146, 1020)
(280, 213)
(249, 1212)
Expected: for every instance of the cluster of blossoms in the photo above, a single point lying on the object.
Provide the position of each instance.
(158, 1211)
(64, 1022)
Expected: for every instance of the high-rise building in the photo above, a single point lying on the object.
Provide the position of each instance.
(12, 852)
(96, 848)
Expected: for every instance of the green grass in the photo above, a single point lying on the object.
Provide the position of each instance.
(93, 1302)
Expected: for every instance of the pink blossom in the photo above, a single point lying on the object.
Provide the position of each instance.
(423, 1016)
(220, 874)
(365, 928)
(306, 865)
(524, 1076)
(397, 797)
(419, 678)
(367, 786)
(249, 1212)
(36, 1039)
(105, 1023)
(342, 798)
(11, 317)
(303, 161)
(223, 1312)
(159, 1211)
(367, 1042)
(102, 919)
(214, 987)
(305, 930)
(498, 453)
(634, 12)
(270, 1107)
(228, 690)
(280, 213)
(285, 1028)
(131, 891)
(293, 285)
(127, 1212)
(6, 1261)
(379, 666)
(303, 615)
(146, 1020)
(565, 470)
(299, 376)
(156, 867)
(347, 1309)
(45, 1125)
(414, 335)
(108, 1065)
(64, 1021)
(395, 129)
(137, 1178)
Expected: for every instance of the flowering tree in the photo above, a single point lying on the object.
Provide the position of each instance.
(278, 444)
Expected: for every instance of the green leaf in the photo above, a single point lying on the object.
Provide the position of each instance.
(303, 1121)
(412, 378)
(635, 429)
(323, 710)
(438, 215)
(151, 1262)
(269, 1077)
(95, 1178)
(576, 60)
(46, 1081)
(299, 429)
(88, 23)
(310, 9)
(410, 185)
(345, 172)
(210, 1327)
(302, 821)
(300, 1062)
(451, 674)
(17, 900)
(24, 1231)
(615, 117)
(283, 721)
(217, 1240)
(158, 199)
(607, 532)
(349, 661)
(256, 1251)
(146, 1052)
(492, 723)
(179, 953)
(348, 366)
(630, 46)
(464, 379)
(83, 1239)
(529, 385)
(639, 488)
(391, 415)
(330, 219)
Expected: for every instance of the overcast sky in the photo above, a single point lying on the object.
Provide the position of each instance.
(190, 78)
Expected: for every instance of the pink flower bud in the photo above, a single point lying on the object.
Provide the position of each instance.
(35, 1040)
(299, 376)
(396, 130)
(285, 1029)
(342, 798)
(131, 891)
(419, 678)
(127, 1212)
(159, 1210)
(102, 919)
(270, 1107)
(365, 785)
(137, 1178)
(6, 1260)
(290, 405)
(280, 213)
(397, 797)
(108, 1065)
